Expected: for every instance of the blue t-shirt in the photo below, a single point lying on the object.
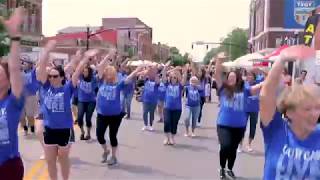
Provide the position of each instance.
(260, 78)
(10, 112)
(129, 87)
(252, 103)
(232, 111)
(150, 92)
(287, 157)
(202, 88)
(56, 106)
(108, 98)
(193, 96)
(120, 76)
(86, 90)
(162, 92)
(173, 97)
(30, 88)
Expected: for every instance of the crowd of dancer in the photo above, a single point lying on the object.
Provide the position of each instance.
(45, 98)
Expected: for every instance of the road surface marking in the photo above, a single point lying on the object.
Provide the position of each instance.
(44, 175)
(37, 166)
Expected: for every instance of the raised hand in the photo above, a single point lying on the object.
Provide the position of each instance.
(14, 23)
(91, 53)
(50, 45)
(79, 52)
(299, 52)
(222, 56)
(167, 64)
(112, 52)
(140, 68)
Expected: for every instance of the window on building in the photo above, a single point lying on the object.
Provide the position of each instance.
(278, 42)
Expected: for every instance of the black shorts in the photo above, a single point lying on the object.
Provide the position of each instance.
(75, 101)
(59, 137)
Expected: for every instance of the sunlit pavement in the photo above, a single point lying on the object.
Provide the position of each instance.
(142, 155)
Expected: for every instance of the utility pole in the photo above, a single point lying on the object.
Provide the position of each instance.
(88, 37)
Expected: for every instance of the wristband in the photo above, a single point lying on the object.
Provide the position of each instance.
(15, 38)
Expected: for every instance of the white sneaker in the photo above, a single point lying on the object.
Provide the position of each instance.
(186, 135)
(150, 128)
(239, 150)
(144, 128)
(249, 148)
(42, 157)
(193, 135)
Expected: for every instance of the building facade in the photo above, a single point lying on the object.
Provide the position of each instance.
(134, 36)
(32, 26)
(160, 52)
(277, 22)
(71, 39)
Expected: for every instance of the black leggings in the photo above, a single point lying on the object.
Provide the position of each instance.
(171, 120)
(202, 101)
(88, 109)
(102, 124)
(229, 139)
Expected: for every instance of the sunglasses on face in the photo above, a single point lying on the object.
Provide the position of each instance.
(53, 76)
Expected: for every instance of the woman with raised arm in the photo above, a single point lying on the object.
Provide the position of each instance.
(58, 121)
(128, 91)
(11, 102)
(32, 84)
(292, 143)
(252, 109)
(173, 104)
(109, 112)
(150, 97)
(86, 83)
(232, 118)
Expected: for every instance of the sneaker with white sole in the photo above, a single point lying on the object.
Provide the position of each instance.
(42, 157)
(249, 148)
(144, 128)
(105, 157)
(230, 174)
(112, 161)
(222, 173)
(150, 128)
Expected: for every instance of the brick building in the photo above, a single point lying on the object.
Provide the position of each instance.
(126, 34)
(275, 22)
(132, 33)
(70, 39)
(32, 26)
(161, 52)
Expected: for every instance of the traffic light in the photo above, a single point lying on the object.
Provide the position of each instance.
(207, 46)
(192, 46)
(129, 34)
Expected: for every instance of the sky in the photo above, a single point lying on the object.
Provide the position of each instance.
(174, 22)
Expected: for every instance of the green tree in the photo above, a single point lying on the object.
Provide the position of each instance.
(174, 50)
(4, 41)
(238, 39)
(213, 52)
(177, 60)
(4, 44)
(235, 44)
